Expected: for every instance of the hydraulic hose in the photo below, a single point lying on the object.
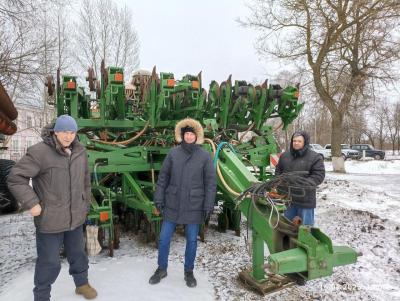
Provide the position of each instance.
(221, 177)
(125, 142)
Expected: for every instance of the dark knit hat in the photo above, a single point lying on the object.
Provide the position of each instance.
(65, 123)
(187, 129)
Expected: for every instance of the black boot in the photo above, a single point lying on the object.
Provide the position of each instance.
(190, 280)
(157, 276)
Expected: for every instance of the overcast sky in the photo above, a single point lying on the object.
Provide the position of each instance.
(191, 36)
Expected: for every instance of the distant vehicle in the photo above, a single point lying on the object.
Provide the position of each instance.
(370, 151)
(325, 153)
(347, 152)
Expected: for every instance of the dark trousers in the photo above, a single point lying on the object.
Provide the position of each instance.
(48, 264)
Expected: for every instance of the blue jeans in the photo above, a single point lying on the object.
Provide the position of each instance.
(306, 214)
(167, 230)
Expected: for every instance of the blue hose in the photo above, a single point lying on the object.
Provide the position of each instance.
(219, 148)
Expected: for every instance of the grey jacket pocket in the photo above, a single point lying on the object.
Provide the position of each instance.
(55, 218)
(171, 198)
(196, 199)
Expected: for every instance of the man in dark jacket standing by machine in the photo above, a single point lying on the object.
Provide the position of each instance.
(302, 159)
(185, 194)
(59, 200)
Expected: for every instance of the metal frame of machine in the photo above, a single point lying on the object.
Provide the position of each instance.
(128, 130)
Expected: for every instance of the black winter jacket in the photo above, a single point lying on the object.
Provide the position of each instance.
(304, 160)
(186, 186)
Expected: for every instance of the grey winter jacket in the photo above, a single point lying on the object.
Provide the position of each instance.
(186, 186)
(308, 161)
(61, 183)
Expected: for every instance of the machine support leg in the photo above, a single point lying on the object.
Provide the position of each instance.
(263, 175)
(258, 257)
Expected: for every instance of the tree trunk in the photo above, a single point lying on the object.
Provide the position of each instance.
(286, 140)
(336, 140)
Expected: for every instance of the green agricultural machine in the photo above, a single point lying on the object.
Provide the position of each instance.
(128, 129)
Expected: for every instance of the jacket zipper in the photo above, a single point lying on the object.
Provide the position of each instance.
(70, 191)
(70, 187)
(187, 197)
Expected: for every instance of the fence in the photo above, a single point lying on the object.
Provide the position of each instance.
(11, 154)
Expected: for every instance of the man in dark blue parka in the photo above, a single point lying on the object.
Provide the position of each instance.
(185, 194)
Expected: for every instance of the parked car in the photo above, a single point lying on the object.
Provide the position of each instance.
(347, 152)
(370, 151)
(325, 153)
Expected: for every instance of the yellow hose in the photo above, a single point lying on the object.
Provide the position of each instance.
(125, 142)
(221, 177)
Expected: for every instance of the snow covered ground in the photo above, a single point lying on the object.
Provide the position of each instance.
(359, 209)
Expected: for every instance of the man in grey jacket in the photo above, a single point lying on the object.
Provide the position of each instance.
(185, 194)
(59, 200)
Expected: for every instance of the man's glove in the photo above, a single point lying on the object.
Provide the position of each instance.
(207, 214)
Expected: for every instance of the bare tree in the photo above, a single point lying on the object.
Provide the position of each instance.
(391, 113)
(106, 32)
(21, 45)
(30, 47)
(87, 44)
(64, 39)
(379, 114)
(397, 123)
(354, 126)
(346, 44)
(127, 46)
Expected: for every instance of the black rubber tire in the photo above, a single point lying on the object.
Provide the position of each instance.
(377, 157)
(7, 202)
(117, 232)
(111, 248)
(101, 237)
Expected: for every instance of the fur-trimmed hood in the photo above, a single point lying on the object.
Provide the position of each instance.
(198, 129)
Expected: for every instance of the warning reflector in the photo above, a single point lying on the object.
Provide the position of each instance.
(273, 160)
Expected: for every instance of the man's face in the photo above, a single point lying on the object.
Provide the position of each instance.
(298, 142)
(65, 138)
(189, 137)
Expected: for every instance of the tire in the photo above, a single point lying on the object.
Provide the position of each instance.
(322, 156)
(7, 202)
(101, 237)
(117, 232)
(344, 157)
(377, 157)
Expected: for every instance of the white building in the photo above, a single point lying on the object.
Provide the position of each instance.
(30, 122)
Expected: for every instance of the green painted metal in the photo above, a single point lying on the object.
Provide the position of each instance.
(258, 271)
(128, 133)
(302, 250)
(315, 256)
(305, 250)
